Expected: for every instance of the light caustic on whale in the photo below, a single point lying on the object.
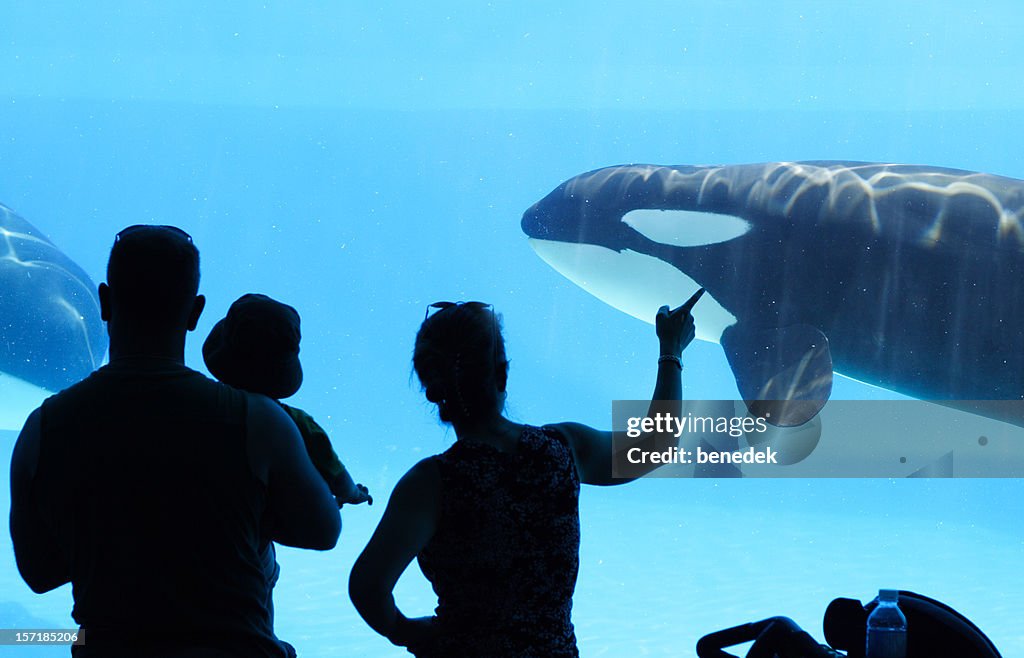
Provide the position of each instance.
(904, 277)
(51, 334)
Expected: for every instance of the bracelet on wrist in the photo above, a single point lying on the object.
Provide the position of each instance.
(671, 357)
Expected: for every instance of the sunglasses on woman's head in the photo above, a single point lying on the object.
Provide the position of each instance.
(440, 307)
(437, 307)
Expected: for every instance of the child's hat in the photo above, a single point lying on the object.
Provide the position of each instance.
(256, 347)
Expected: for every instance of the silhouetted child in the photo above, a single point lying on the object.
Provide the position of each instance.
(256, 348)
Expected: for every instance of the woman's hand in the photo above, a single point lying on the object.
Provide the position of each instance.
(675, 328)
(415, 634)
(406, 527)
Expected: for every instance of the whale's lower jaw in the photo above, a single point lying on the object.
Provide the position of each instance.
(17, 400)
(634, 283)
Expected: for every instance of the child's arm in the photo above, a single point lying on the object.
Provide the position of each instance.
(326, 461)
(346, 491)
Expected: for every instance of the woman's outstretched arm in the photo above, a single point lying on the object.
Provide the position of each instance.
(593, 449)
(406, 527)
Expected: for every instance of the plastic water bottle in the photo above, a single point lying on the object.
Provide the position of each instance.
(887, 628)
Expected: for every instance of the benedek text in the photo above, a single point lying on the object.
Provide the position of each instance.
(701, 456)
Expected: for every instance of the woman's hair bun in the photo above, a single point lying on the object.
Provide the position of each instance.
(434, 393)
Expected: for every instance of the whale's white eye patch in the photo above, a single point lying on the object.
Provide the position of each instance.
(685, 228)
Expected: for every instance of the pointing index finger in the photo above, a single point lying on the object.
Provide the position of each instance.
(688, 304)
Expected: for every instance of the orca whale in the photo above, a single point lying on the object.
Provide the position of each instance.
(905, 277)
(51, 334)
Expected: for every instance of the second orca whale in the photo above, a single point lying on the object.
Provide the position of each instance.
(905, 277)
(51, 334)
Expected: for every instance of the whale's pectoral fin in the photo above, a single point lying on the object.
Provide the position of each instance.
(783, 373)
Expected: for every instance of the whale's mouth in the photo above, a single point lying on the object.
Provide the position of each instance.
(638, 284)
(634, 283)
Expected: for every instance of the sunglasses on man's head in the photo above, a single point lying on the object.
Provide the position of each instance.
(158, 227)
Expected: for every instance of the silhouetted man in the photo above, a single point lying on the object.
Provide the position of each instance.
(153, 489)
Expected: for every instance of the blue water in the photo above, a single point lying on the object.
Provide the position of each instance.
(361, 163)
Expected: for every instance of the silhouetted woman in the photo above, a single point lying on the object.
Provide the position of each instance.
(494, 519)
